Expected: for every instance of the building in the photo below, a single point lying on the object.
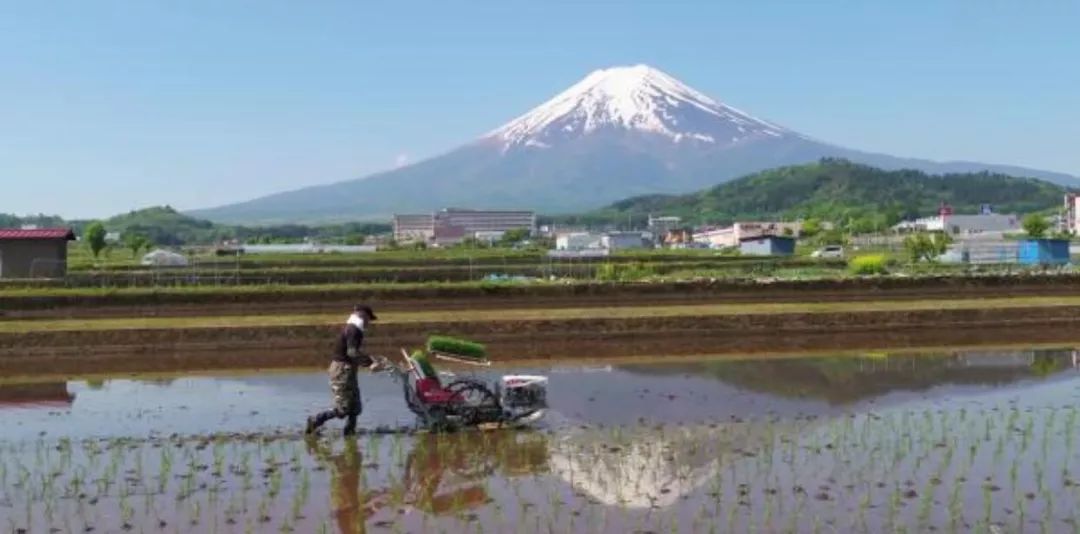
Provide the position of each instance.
(986, 222)
(982, 252)
(487, 220)
(733, 235)
(444, 227)
(1071, 214)
(414, 228)
(579, 241)
(625, 240)
(34, 253)
(661, 226)
(768, 245)
(446, 235)
(678, 237)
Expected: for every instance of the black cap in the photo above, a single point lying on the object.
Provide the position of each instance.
(366, 310)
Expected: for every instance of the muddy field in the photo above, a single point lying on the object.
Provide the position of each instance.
(957, 442)
(228, 300)
(79, 351)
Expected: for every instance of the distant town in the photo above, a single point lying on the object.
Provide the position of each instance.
(985, 237)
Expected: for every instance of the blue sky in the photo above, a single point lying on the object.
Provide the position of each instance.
(110, 106)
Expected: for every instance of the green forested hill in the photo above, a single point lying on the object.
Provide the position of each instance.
(163, 225)
(839, 190)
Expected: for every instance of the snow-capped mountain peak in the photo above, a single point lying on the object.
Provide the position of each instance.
(638, 98)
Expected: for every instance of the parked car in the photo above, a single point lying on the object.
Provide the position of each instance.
(829, 252)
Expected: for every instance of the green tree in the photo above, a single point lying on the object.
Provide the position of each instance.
(514, 236)
(95, 237)
(926, 247)
(833, 237)
(811, 227)
(355, 239)
(1036, 226)
(864, 224)
(135, 242)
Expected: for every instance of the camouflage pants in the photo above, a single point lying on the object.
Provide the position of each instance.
(345, 389)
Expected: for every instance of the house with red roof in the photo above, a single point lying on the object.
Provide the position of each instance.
(34, 252)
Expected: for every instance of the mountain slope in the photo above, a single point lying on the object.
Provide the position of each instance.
(618, 132)
(833, 189)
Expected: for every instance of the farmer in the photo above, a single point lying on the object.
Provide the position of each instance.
(343, 384)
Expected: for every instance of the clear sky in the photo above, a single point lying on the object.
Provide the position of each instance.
(110, 106)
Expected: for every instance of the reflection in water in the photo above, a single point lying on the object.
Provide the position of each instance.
(669, 392)
(443, 474)
(349, 510)
(656, 467)
(35, 395)
(848, 379)
(446, 474)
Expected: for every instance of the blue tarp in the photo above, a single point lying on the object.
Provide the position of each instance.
(1044, 252)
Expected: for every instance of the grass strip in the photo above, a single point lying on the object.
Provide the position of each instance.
(22, 292)
(60, 325)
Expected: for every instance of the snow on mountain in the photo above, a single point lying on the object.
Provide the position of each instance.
(639, 98)
(619, 132)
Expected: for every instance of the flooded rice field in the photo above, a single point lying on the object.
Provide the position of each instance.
(951, 442)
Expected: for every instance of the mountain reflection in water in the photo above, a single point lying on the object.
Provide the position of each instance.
(847, 379)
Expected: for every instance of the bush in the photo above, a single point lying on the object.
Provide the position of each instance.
(1035, 226)
(623, 272)
(868, 264)
(926, 246)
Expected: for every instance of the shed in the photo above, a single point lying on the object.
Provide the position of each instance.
(36, 253)
(1044, 252)
(624, 240)
(164, 258)
(767, 245)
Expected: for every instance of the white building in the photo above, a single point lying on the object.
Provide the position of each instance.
(446, 225)
(660, 226)
(736, 233)
(413, 228)
(625, 240)
(1071, 215)
(579, 241)
(964, 225)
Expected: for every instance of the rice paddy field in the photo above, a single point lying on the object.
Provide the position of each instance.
(950, 441)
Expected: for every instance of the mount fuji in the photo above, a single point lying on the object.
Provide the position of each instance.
(619, 132)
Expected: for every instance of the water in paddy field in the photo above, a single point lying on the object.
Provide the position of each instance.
(946, 442)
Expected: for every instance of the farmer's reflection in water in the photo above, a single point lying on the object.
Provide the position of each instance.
(443, 474)
(349, 512)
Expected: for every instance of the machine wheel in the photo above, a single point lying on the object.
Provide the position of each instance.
(457, 385)
(477, 404)
(475, 395)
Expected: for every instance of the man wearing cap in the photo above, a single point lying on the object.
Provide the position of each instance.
(343, 384)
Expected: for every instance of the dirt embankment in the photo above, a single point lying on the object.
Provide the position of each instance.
(230, 301)
(82, 352)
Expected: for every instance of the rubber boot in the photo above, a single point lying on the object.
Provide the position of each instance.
(314, 422)
(350, 425)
